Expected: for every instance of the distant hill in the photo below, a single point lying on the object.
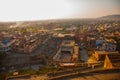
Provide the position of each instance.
(54, 22)
(110, 17)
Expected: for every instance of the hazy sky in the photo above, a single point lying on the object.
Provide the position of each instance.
(17, 10)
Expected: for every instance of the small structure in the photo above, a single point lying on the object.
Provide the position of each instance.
(106, 44)
(15, 73)
(67, 46)
(112, 61)
(64, 35)
(100, 55)
(67, 64)
(33, 44)
(99, 43)
(72, 28)
(91, 41)
(5, 45)
(81, 37)
(109, 47)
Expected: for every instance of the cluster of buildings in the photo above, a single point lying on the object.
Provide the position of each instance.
(106, 44)
(96, 37)
(21, 43)
(5, 45)
(64, 44)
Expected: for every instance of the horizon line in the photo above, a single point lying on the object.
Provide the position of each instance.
(55, 19)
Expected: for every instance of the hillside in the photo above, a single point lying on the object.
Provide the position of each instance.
(110, 17)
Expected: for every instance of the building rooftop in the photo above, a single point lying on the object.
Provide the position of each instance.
(105, 52)
(68, 43)
(101, 52)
